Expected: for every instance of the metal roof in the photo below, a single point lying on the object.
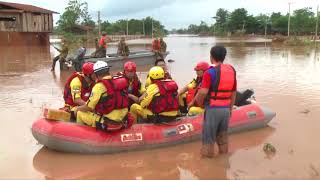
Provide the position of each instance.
(26, 8)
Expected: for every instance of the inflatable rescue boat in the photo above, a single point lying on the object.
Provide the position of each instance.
(75, 138)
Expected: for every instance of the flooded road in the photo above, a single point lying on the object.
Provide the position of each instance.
(287, 80)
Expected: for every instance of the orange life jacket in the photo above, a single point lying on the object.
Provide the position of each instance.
(191, 93)
(85, 89)
(223, 80)
(167, 101)
(117, 95)
(103, 42)
(134, 87)
(156, 45)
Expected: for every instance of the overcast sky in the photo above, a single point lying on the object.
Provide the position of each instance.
(173, 13)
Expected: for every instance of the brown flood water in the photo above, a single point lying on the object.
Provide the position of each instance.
(286, 80)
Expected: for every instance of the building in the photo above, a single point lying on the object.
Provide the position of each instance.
(22, 24)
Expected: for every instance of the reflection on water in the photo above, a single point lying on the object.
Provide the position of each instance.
(285, 79)
(22, 59)
(181, 161)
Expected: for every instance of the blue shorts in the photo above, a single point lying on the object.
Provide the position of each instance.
(216, 121)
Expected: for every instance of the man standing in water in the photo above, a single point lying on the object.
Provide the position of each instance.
(219, 85)
(156, 47)
(62, 56)
(103, 44)
(123, 49)
(163, 46)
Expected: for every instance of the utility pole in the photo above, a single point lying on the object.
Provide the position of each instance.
(289, 19)
(214, 25)
(143, 30)
(99, 23)
(152, 28)
(127, 27)
(317, 24)
(265, 27)
(244, 22)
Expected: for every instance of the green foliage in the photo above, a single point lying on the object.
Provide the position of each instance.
(280, 24)
(135, 27)
(221, 25)
(239, 22)
(303, 21)
(73, 23)
(296, 41)
(87, 19)
(222, 17)
(75, 14)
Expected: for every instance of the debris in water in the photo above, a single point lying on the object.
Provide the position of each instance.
(291, 151)
(315, 172)
(241, 171)
(273, 172)
(306, 111)
(269, 150)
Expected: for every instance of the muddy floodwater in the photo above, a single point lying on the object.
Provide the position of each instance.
(285, 79)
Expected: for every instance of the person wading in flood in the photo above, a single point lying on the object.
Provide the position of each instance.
(156, 47)
(62, 56)
(123, 49)
(103, 44)
(163, 46)
(219, 85)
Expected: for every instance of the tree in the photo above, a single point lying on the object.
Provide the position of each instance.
(221, 17)
(75, 13)
(253, 25)
(238, 19)
(280, 25)
(303, 21)
(135, 26)
(262, 21)
(87, 19)
(203, 27)
(274, 17)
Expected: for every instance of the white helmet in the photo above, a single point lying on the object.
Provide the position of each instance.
(100, 65)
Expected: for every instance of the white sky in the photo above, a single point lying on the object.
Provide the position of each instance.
(173, 13)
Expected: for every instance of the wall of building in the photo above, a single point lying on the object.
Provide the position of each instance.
(36, 22)
(23, 39)
(26, 22)
(8, 24)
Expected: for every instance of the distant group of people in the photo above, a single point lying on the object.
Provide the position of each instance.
(159, 47)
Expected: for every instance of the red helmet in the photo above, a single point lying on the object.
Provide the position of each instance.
(130, 66)
(87, 68)
(202, 66)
